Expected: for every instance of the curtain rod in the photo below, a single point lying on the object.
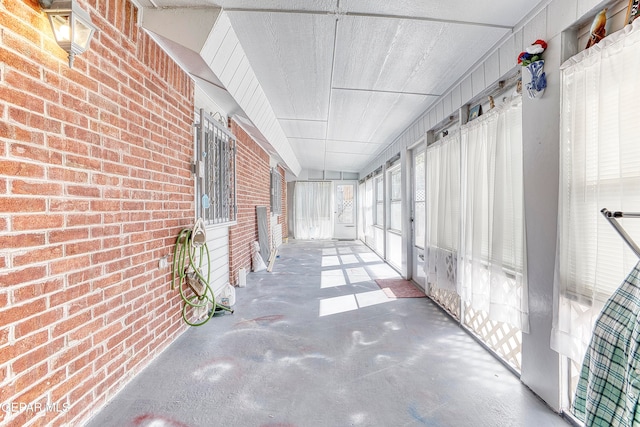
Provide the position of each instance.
(612, 218)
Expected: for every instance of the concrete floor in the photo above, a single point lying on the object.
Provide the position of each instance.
(315, 343)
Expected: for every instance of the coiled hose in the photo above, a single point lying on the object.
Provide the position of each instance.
(189, 255)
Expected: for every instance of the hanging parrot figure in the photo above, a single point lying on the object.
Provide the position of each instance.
(598, 30)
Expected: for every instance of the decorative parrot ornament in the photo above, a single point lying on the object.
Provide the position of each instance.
(598, 30)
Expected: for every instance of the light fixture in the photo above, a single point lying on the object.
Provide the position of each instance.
(72, 27)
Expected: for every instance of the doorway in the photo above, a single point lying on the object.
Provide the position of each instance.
(345, 210)
(418, 218)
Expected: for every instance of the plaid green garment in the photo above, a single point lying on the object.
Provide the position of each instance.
(609, 385)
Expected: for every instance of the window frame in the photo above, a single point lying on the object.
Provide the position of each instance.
(215, 173)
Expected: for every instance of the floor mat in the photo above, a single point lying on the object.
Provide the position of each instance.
(399, 288)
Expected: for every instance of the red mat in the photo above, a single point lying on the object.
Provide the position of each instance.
(399, 288)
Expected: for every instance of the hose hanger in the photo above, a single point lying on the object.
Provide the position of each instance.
(190, 258)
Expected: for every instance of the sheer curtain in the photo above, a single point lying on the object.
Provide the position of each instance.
(599, 168)
(313, 209)
(491, 270)
(443, 212)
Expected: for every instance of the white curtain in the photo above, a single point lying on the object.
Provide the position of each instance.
(599, 168)
(491, 270)
(443, 212)
(313, 209)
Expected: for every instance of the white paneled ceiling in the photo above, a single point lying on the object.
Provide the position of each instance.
(345, 77)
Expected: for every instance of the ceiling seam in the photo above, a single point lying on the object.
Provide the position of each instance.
(303, 120)
(333, 67)
(372, 15)
(385, 91)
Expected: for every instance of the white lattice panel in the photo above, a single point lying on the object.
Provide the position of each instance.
(276, 231)
(504, 339)
(449, 300)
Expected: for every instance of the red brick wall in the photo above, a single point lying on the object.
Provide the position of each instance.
(253, 189)
(94, 187)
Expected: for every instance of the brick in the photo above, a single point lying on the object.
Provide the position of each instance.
(84, 247)
(41, 321)
(68, 205)
(82, 191)
(21, 99)
(22, 240)
(36, 188)
(35, 153)
(83, 162)
(21, 204)
(42, 386)
(37, 222)
(23, 276)
(37, 255)
(83, 219)
(21, 169)
(9, 352)
(68, 294)
(64, 174)
(71, 323)
(69, 264)
(85, 275)
(67, 235)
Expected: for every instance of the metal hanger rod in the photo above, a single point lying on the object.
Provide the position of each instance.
(612, 217)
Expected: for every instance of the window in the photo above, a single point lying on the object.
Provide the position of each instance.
(368, 210)
(491, 254)
(276, 192)
(215, 172)
(599, 168)
(379, 183)
(395, 202)
(443, 194)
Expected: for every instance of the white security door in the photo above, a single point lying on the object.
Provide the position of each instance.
(345, 210)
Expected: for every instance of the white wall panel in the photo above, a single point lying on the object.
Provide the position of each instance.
(447, 105)
(508, 55)
(478, 83)
(492, 68)
(456, 98)
(218, 245)
(589, 7)
(519, 43)
(560, 15)
(535, 29)
(466, 89)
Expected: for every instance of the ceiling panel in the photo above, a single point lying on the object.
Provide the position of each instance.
(292, 55)
(346, 162)
(372, 116)
(494, 12)
(405, 55)
(304, 129)
(334, 146)
(310, 152)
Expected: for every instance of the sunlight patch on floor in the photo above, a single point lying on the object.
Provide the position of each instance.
(332, 279)
(335, 305)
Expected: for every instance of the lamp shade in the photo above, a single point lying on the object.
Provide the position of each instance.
(72, 27)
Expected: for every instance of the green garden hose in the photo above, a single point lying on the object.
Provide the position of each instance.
(189, 255)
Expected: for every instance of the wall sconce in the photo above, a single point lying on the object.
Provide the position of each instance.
(72, 27)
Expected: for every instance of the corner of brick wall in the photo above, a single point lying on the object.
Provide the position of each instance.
(95, 185)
